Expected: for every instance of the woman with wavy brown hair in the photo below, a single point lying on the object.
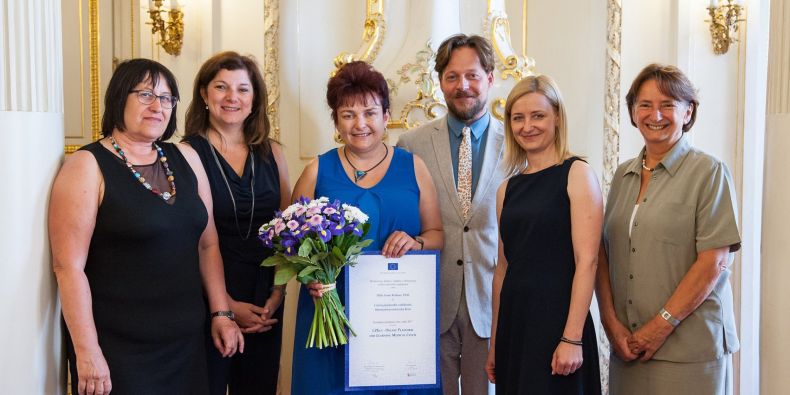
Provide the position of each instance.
(227, 125)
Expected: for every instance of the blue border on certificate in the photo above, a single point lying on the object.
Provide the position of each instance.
(436, 335)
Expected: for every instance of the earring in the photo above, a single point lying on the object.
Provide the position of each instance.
(385, 135)
(336, 136)
(206, 106)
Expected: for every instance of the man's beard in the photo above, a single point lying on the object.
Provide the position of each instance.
(468, 114)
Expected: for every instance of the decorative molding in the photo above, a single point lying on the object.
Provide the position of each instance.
(93, 51)
(427, 101)
(508, 62)
(271, 63)
(93, 72)
(611, 144)
(372, 36)
(779, 59)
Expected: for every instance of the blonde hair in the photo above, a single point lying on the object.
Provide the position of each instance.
(515, 156)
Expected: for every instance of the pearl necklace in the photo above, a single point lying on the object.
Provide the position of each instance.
(644, 165)
(162, 158)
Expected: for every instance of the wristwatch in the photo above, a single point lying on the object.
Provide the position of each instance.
(668, 317)
(421, 241)
(227, 313)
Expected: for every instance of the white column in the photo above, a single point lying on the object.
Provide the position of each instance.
(775, 344)
(31, 115)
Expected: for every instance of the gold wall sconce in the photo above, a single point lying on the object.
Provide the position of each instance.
(171, 33)
(724, 18)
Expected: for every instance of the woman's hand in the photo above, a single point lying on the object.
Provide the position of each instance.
(227, 336)
(398, 244)
(94, 374)
(249, 317)
(618, 337)
(269, 308)
(491, 364)
(649, 338)
(567, 359)
(318, 290)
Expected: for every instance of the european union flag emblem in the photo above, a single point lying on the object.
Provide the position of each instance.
(392, 266)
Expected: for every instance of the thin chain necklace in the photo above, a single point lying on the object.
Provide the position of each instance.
(230, 191)
(644, 165)
(360, 174)
(162, 159)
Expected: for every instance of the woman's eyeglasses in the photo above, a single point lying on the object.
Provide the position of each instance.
(148, 97)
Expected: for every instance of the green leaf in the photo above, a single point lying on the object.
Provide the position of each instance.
(298, 260)
(306, 248)
(308, 270)
(274, 260)
(284, 274)
(365, 243)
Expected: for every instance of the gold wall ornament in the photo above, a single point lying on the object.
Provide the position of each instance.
(427, 102)
(724, 18)
(372, 37)
(93, 74)
(271, 63)
(510, 64)
(171, 33)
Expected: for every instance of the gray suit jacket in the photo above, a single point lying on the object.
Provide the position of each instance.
(470, 247)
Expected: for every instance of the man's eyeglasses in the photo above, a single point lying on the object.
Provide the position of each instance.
(148, 97)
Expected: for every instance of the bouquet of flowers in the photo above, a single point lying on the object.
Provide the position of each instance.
(313, 240)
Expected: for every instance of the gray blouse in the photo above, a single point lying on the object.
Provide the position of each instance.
(689, 207)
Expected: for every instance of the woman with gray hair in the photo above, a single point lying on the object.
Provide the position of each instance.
(669, 233)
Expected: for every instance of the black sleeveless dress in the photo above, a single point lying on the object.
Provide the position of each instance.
(146, 288)
(535, 227)
(256, 370)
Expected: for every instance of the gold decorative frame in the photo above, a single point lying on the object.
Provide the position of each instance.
(372, 36)
(271, 63)
(509, 63)
(93, 67)
(427, 100)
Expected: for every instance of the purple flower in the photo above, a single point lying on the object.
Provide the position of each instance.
(292, 225)
(336, 228)
(324, 235)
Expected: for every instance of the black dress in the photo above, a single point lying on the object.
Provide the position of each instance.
(535, 227)
(145, 283)
(256, 370)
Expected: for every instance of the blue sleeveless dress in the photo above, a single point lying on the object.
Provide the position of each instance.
(392, 204)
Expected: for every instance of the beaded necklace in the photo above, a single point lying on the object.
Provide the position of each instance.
(162, 158)
(644, 165)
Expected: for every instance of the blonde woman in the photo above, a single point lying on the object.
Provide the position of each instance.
(550, 213)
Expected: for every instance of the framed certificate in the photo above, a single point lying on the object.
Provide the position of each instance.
(393, 306)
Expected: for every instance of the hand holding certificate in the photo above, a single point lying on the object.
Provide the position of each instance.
(393, 303)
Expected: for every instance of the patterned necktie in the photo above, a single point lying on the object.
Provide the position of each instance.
(465, 171)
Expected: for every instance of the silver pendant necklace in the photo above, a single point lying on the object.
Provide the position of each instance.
(230, 191)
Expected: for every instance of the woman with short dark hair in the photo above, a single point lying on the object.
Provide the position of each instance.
(390, 185)
(133, 258)
(669, 233)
